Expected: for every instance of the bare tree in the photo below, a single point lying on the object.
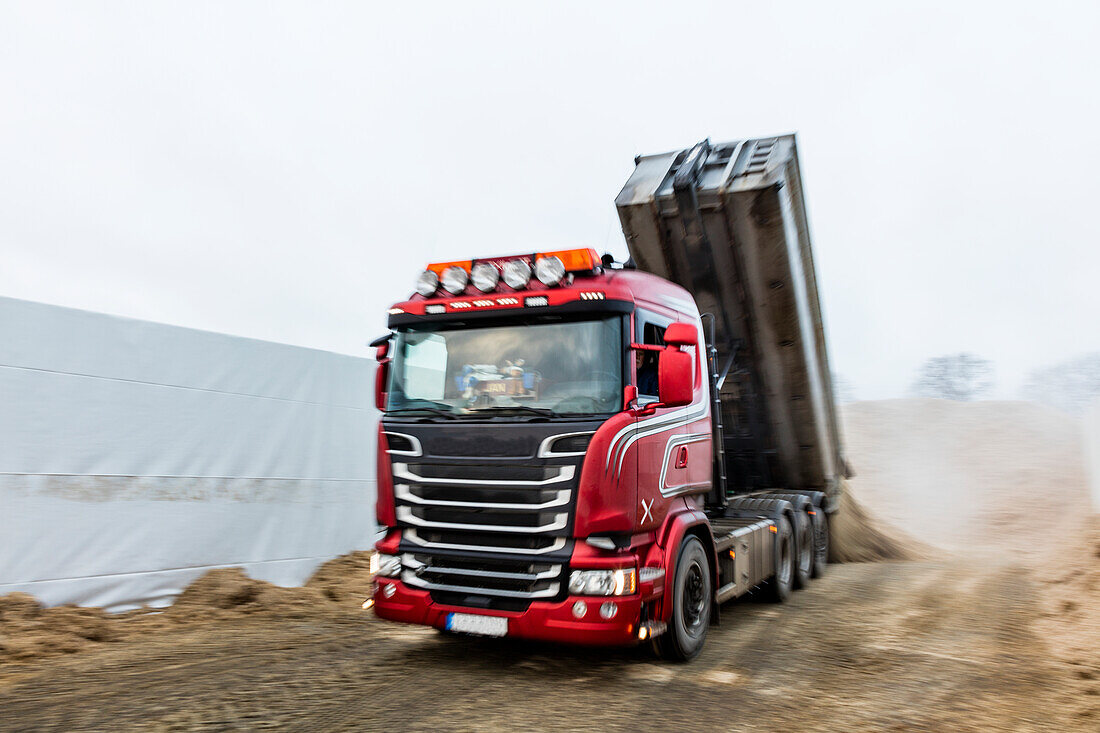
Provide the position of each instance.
(954, 377)
(1068, 386)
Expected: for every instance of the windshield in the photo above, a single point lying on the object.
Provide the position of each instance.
(543, 368)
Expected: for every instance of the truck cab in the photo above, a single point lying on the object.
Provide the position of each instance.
(540, 442)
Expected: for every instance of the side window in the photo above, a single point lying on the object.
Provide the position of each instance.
(650, 331)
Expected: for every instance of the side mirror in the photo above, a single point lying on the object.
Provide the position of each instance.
(674, 376)
(681, 334)
(381, 346)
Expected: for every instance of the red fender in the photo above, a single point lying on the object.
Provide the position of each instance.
(681, 518)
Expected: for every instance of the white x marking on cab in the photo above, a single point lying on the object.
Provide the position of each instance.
(646, 516)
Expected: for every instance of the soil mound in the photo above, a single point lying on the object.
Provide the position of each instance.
(857, 536)
(28, 631)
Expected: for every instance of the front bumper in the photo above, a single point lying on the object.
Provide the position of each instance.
(544, 621)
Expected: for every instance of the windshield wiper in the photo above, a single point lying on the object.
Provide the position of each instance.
(429, 410)
(545, 412)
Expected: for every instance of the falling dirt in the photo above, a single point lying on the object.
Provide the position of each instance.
(995, 626)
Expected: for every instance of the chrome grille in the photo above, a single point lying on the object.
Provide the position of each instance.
(497, 579)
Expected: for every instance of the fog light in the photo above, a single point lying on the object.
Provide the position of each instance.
(579, 609)
(388, 590)
(368, 603)
(608, 610)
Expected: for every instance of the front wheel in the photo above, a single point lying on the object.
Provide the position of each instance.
(692, 593)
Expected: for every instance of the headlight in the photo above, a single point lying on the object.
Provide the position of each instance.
(517, 273)
(426, 283)
(389, 566)
(485, 276)
(622, 582)
(549, 270)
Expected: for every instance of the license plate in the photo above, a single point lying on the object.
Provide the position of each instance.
(470, 623)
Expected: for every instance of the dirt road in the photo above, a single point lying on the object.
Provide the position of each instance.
(913, 646)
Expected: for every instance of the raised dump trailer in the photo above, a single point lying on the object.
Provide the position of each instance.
(727, 222)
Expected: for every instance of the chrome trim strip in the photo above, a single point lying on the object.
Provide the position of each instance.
(402, 492)
(410, 578)
(544, 447)
(418, 449)
(411, 535)
(401, 470)
(413, 564)
(404, 514)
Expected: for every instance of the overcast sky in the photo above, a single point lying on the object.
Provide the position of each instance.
(284, 170)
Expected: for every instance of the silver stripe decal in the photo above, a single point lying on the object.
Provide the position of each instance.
(402, 491)
(401, 470)
(695, 411)
(412, 536)
(405, 514)
(674, 442)
(644, 430)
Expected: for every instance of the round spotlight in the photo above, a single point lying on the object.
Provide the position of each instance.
(485, 277)
(579, 609)
(454, 279)
(608, 610)
(517, 273)
(388, 590)
(549, 270)
(426, 283)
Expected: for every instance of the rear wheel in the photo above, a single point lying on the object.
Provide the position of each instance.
(778, 587)
(692, 593)
(804, 544)
(821, 542)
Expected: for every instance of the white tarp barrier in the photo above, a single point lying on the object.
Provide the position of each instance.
(1092, 451)
(134, 456)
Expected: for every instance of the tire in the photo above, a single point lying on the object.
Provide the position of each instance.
(778, 588)
(804, 544)
(692, 597)
(821, 542)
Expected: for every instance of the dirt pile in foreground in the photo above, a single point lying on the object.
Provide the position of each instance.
(1070, 622)
(29, 631)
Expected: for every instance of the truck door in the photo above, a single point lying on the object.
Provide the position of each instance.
(656, 433)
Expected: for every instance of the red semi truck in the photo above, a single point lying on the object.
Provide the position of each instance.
(578, 450)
